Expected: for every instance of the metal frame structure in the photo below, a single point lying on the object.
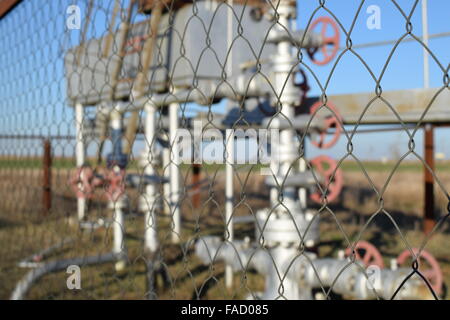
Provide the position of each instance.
(288, 231)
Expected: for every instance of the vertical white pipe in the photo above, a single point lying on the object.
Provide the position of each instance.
(426, 65)
(230, 39)
(151, 238)
(302, 162)
(80, 155)
(174, 172)
(302, 191)
(118, 220)
(229, 203)
(230, 154)
(119, 245)
(274, 167)
(286, 90)
(166, 186)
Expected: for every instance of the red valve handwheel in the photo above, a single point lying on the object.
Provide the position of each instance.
(115, 185)
(332, 185)
(331, 43)
(433, 273)
(134, 44)
(334, 120)
(84, 182)
(367, 253)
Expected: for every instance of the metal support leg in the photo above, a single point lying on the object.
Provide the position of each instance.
(47, 177)
(80, 154)
(151, 239)
(119, 205)
(229, 232)
(174, 173)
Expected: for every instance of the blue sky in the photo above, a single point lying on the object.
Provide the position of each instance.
(32, 87)
(404, 72)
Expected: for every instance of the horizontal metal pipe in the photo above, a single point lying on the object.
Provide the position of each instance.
(34, 275)
(388, 42)
(356, 281)
(345, 278)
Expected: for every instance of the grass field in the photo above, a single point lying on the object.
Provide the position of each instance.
(24, 229)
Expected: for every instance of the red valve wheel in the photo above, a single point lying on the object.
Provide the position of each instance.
(330, 43)
(333, 121)
(367, 253)
(134, 44)
(326, 167)
(432, 272)
(115, 185)
(84, 181)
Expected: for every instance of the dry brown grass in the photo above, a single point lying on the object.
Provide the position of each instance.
(25, 230)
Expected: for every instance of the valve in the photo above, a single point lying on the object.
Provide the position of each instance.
(326, 167)
(432, 272)
(303, 85)
(333, 121)
(330, 45)
(84, 181)
(367, 253)
(134, 45)
(115, 184)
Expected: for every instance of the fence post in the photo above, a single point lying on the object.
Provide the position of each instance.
(47, 176)
(429, 220)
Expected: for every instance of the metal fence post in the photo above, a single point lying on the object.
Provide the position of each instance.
(47, 176)
(429, 219)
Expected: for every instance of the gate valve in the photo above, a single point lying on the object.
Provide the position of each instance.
(330, 44)
(115, 184)
(84, 181)
(303, 85)
(332, 185)
(332, 121)
(367, 254)
(427, 266)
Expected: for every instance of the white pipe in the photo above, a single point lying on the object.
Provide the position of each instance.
(238, 255)
(229, 232)
(274, 167)
(288, 94)
(80, 154)
(426, 65)
(302, 191)
(31, 277)
(151, 238)
(119, 205)
(166, 186)
(118, 226)
(256, 88)
(174, 172)
(356, 281)
(230, 39)
(298, 275)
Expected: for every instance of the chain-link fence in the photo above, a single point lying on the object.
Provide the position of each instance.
(223, 149)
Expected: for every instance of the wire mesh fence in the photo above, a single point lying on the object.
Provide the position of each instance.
(198, 150)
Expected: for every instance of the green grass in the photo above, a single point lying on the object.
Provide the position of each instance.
(34, 163)
(348, 166)
(376, 166)
(351, 166)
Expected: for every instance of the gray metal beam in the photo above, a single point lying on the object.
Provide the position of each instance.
(410, 105)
